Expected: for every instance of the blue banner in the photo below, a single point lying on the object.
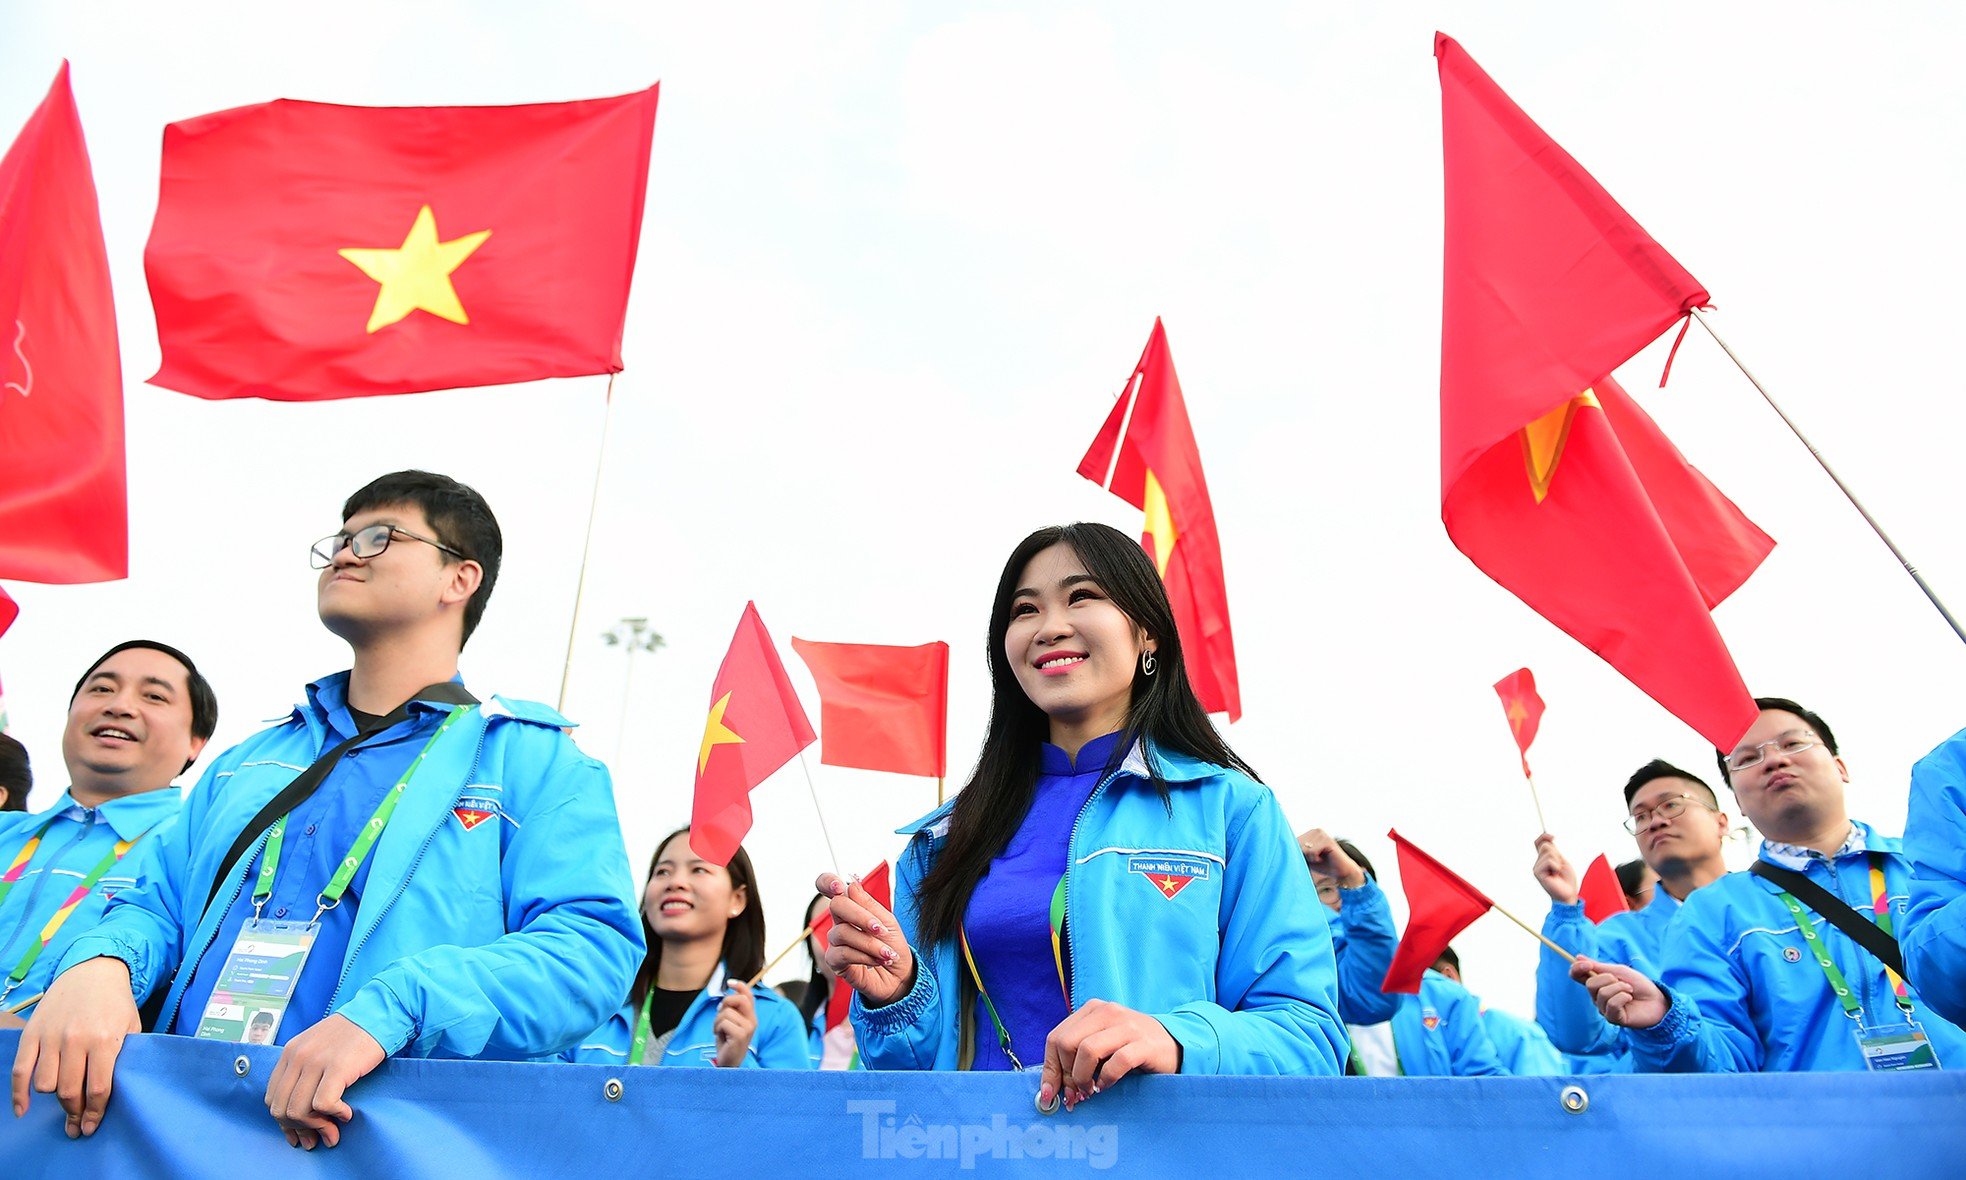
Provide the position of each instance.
(197, 1108)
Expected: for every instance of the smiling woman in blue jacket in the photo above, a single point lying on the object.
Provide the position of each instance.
(1113, 890)
(690, 1006)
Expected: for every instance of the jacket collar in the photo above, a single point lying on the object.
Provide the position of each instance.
(1176, 769)
(1862, 839)
(129, 816)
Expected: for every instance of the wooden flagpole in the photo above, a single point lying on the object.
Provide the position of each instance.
(586, 546)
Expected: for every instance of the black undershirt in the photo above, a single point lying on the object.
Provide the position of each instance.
(364, 720)
(666, 1008)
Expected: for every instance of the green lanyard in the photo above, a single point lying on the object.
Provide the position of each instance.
(1057, 918)
(1837, 983)
(638, 1048)
(269, 862)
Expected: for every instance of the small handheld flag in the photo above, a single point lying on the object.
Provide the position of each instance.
(1600, 892)
(755, 726)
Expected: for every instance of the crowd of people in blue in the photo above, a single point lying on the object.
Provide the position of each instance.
(400, 868)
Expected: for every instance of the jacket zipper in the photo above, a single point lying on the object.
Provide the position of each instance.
(169, 1018)
(1071, 862)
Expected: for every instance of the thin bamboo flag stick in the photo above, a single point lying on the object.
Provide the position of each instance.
(587, 546)
(780, 956)
(1539, 934)
(1835, 478)
(29, 1002)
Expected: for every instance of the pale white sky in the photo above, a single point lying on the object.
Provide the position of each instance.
(898, 259)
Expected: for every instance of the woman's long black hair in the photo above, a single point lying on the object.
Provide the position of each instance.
(819, 989)
(744, 936)
(1164, 712)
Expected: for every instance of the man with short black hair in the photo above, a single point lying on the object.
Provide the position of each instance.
(137, 719)
(1680, 829)
(395, 869)
(1785, 967)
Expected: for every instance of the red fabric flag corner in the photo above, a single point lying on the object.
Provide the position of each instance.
(1553, 482)
(411, 248)
(881, 707)
(1146, 455)
(840, 999)
(9, 611)
(1439, 906)
(64, 511)
(1601, 893)
(755, 726)
(1523, 708)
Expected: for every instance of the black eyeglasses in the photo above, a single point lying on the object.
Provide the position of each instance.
(367, 543)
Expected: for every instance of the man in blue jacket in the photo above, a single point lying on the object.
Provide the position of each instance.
(136, 720)
(1756, 978)
(454, 885)
(1680, 829)
(1934, 933)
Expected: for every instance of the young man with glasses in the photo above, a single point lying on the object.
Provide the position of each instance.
(1784, 968)
(1680, 829)
(397, 868)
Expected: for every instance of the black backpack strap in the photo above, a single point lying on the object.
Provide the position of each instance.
(308, 781)
(1836, 912)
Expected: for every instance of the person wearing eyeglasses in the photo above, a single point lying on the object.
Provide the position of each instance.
(1784, 968)
(398, 868)
(1680, 830)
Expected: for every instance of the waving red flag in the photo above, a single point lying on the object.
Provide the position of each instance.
(881, 707)
(1553, 481)
(9, 611)
(305, 251)
(1439, 906)
(755, 726)
(1523, 708)
(1146, 455)
(879, 886)
(1600, 892)
(64, 514)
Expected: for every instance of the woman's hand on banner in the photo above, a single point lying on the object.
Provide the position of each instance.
(1100, 1044)
(865, 945)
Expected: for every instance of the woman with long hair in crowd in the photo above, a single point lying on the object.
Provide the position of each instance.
(1114, 889)
(691, 1004)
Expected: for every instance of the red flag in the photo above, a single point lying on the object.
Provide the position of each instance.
(840, 999)
(9, 611)
(305, 251)
(1439, 906)
(880, 707)
(1523, 708)
(755, 726)
(1553, 481)
(1601, 893)
(64, 515)
(1146, 455)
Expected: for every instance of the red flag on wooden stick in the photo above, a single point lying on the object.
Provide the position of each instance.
(64, 513)
(880, 887)
(1146, 455)
(1600, 892)
(881, 707)
(755, 726)
(1439, 906)
(1523, 708)
(1554, 482)
(305, 251)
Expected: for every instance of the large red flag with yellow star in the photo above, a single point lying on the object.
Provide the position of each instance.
(305, 251)
(755, 726)
(1553, 481)
(1146, 455)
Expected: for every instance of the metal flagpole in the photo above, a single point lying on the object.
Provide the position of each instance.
(587, 546)
(1838, 480)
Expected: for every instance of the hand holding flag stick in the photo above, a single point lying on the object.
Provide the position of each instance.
(876, 883)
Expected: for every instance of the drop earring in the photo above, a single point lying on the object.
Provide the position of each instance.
(1148, 663)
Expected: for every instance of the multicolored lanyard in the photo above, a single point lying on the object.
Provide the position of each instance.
(1881, 914)
(269, 861)
(60, 916)
(26, 853)
(1057, 919)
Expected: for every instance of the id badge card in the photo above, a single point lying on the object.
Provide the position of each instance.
(1893, 1047)
(257, 982)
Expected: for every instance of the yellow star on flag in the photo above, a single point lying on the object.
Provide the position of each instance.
(715, 733)
(1543, 439)
(1160, 523)
(416, 276)
(1518, 713)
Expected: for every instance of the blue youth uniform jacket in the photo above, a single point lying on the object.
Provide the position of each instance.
(1747, 994)
(1363, 939)
(507, 937)
(77, 840)
(778, 1043)
(1438, 1033)
(1522, 1046)
(1933, 933)
(1564, 1009)
(1234, 959)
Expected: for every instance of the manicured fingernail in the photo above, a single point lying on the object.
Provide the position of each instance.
(888, 955)
(876, 928)
(1095, 1087)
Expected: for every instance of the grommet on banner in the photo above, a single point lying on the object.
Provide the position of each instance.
(1574, 1099)
(1057, 1100)
(242, 1065)
(612, 1089)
